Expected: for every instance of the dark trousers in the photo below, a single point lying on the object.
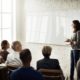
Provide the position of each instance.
(74, 58)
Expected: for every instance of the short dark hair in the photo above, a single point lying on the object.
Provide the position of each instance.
(46, 51)
(77, 25)
(25, 56)
(4, 44)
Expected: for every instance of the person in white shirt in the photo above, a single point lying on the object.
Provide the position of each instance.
(13, 59)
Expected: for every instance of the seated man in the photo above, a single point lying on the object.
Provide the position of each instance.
(26, 72)
(46, 62)
(13, 59)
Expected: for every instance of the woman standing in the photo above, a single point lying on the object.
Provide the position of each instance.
(75, 44)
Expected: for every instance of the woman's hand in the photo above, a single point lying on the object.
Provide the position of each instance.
(73, 43)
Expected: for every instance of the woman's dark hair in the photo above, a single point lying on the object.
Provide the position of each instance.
(4, 44)
(76, 25)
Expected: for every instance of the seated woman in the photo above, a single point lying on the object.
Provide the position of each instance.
(13, 59)
(46, 62)
(4, 50)
(5, 45)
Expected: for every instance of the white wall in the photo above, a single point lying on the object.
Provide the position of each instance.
(70, 8)
(20, 20)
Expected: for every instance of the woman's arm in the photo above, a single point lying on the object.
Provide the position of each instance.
(77, 40)
(78, 37)
(68, 40)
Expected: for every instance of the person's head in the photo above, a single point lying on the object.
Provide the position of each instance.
(5, 45)
(25, 56)
(76, 25)
(46, 51)
(16, 46)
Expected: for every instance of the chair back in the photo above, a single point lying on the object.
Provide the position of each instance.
(50, 74)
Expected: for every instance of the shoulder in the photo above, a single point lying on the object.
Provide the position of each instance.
(38, 74)
(10, 55)
(15, 73)
(35, 73)
(55, 60)
(41, 60)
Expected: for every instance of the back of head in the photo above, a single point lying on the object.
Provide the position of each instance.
(46, 51)
(25, 56)
(4, 44)
(76, 25)
(16, 46)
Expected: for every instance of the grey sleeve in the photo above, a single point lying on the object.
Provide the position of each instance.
(78, 37)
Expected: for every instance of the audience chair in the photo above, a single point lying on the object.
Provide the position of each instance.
(49, 74)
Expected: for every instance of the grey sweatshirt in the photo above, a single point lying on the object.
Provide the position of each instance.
(76, 38)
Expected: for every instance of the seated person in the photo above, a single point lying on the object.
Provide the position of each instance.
(46, 62)
(13, 59)
(26, 72)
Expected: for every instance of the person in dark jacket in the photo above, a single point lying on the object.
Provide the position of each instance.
(26, 72)
(47, 62)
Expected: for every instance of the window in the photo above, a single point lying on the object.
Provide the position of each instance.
(7, 20)
(48, 28)
(36, 28)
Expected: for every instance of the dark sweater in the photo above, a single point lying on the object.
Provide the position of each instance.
(48, 63)
(26, 74)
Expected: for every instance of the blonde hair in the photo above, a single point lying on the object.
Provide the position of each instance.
(46, 51)
(14, 44)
